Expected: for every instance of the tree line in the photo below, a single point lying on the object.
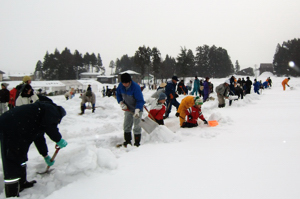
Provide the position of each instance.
(287, 58)
(67, 66)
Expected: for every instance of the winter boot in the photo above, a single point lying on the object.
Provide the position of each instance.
(24, 184)
(127, 137)
(137, 139)
(82, 110)
(12, 188)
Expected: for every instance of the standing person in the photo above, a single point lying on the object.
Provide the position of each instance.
(285, 82)
(189, 85)
(158, 109)
(185, 103)
(239, 91)
(201, 88)
(12, 98)
(171, 95)
(222, 92)
(248, 86)
(90, 97)
(19, 128)
(181, 88)
(206, 89)
(196, 86)
(131, 100)
(193, 113)
(4, 98)
(270, 81)
(27, 96)
(232, 84)
(256, 85)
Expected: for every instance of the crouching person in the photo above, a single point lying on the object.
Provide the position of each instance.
(88, 96)
(222, 92)
(158, 109)
(19, 128)
(185, 103)
(193, 113)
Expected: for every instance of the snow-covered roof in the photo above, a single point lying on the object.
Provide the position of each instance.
(20, 75)
(131, 72)
(89, 73)
(111, 76)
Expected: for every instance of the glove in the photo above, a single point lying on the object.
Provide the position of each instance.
(62, 143)
(123, 106)
(6, 104)
(48, 161)
(176, 95)
(136, 113)
(177, 114)
(190, 117)
(205, 122)
(288, 85)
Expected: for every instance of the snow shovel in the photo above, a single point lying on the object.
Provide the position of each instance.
(48, 170)
(147, 123)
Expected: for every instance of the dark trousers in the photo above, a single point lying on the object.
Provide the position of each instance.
(171, 102)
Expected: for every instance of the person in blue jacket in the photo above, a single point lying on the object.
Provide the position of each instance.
(19, 128)
(196, 86)
(131, 100)
(171, 95)
(257, 86)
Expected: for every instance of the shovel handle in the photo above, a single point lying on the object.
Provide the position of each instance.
(149, 114)
(55, 153)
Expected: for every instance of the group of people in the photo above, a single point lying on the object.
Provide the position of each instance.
(30, 117)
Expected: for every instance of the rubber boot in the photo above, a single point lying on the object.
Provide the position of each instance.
(24, 184)
(12, 189)
(127, 137)
(137, 139)
(82, 110)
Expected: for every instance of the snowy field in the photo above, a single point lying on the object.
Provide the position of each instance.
(254, 152)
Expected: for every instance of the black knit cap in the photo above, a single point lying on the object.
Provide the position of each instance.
(125, 78)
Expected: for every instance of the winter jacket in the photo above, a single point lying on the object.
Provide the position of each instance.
(26, 124)
(4, 95)
(222, 90)
(26, 100)
(85, 98)
(132, 96)
(12, 96)
(206, 88)
(157, 111)
(185, 103)
(195, 113)
(285, 81)
(170, 89)
(256, 86)
(158, 92)
(266, 84)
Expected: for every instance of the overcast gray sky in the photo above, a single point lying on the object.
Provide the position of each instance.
(248, 30)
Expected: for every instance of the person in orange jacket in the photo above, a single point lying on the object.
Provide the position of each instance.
(285, 82)
(185, 103)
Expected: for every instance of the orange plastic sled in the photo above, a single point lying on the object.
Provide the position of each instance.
(213, 123)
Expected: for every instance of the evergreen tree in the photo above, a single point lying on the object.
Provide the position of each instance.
(38, 70)
(66, 70)
(168, 67)
(185, 63)
(78, 63)
(156, 61)
(237, 66)
(142, 58)
(111, 66)
(287, 58)
(202, 61)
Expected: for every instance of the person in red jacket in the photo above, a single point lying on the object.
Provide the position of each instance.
(158, 109)
(193, 113)
(12, 98)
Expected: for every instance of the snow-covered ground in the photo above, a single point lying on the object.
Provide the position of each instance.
(254, 152)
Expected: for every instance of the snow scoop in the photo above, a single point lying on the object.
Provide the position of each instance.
(48, 170)
(147, 123)
(213, 123)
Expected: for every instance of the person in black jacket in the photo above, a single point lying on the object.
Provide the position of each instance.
(4, 98)
(248, 86)
(19, 128)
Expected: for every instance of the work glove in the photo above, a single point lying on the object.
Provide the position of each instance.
(48, 161)
(288, 85)
(190, 117)
(62, 143)
(177, 114)
(123, 106)
(205, 122)
(136, 113)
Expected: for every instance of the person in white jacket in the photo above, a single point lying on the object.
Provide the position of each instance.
(27, 96)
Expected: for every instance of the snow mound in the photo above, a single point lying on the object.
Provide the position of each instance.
(162, 134)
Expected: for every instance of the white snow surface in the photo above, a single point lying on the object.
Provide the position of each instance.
(254, 152)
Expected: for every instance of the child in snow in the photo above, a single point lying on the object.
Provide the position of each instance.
(186, 103)
(158, 109)
(256, 86)
(193, 113)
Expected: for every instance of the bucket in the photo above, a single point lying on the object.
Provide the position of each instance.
(213, 123)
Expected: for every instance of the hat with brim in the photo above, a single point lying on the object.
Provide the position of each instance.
(163, 84)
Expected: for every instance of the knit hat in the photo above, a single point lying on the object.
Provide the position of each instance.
(5, 85)
(227, 82)
(162, 96)
(198, 101)
(125, 78)
(26, 78)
